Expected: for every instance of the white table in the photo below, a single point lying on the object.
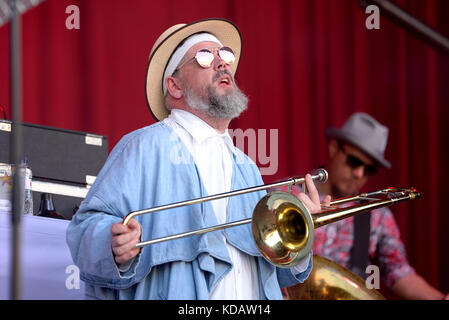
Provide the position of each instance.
(47, 268)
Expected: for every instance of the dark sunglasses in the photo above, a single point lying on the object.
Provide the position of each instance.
(205, 57)
(353, 162)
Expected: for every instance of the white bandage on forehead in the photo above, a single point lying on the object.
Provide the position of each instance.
(182, 50)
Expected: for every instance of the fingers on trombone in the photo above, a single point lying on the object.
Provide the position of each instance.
(124, 239)
(126, 255)
(312, 206)
(120, 228)
(313, 192)
(326, 203)
(120, 239)
(312, 200)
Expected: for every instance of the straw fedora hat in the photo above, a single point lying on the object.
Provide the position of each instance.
(224, 30)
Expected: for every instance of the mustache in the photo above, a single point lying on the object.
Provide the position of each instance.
(223, 72)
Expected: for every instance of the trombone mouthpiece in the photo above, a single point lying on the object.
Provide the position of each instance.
(321, 175)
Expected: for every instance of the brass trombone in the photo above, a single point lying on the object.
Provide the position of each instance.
(282, 226)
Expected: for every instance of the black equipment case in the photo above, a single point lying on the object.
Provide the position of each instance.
(63, 162)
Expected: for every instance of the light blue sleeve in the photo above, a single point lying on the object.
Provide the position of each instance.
(139, 174)
(108, 201)
(291, 276)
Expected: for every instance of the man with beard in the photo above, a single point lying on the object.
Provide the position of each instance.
(188, 154)
(355, 152)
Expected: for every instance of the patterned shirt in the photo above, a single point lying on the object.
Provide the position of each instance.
(386, 250)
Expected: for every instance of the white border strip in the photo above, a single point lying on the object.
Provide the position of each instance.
(56, 188)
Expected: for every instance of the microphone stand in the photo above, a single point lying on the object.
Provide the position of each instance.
(404, 19)
(16, 145)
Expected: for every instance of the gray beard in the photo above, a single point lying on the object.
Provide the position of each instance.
(218, 106)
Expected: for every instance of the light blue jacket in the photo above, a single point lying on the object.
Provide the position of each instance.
(151, 167)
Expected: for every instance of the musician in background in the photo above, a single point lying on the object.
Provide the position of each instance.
(188, 154)
(355, 153)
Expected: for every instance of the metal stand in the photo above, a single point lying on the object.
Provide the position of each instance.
(401, 17)
(16, 146)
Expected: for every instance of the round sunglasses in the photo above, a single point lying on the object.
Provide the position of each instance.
(205, 57)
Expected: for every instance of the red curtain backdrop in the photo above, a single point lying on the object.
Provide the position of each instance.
(306, 65)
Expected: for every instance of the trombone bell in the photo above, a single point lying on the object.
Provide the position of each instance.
(282, 229)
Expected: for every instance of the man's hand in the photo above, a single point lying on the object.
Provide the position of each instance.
(312, 201)
(123, 240)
